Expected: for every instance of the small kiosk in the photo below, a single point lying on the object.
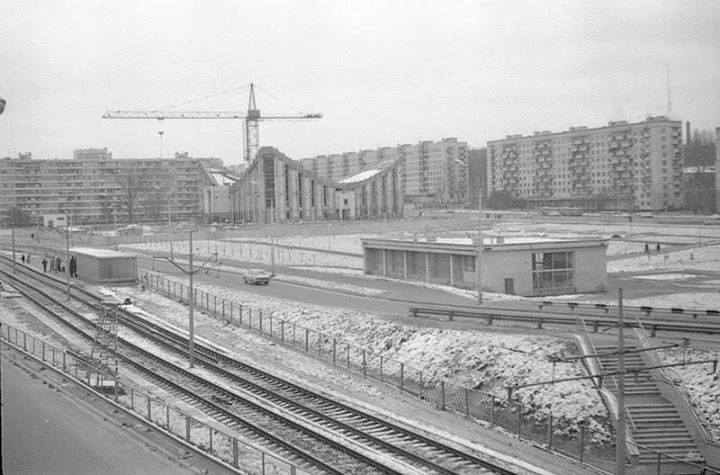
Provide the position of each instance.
(104, 266)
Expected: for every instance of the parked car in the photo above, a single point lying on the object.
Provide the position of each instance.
(257, 277)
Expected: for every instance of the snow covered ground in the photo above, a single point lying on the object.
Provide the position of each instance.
(706, 258)
(488, 361)
(702, 386)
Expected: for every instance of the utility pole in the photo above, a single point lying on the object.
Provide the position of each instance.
(12, 234)
(67, 256)
(191, 271)
(191, 304)
(478, 272)
(620, 442)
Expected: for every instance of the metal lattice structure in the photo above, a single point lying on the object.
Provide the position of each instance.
(104, 348)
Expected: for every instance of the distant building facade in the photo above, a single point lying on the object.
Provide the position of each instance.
(433, 173)
(276, 189)
(620, 166)
(92, 154)
(97, 189)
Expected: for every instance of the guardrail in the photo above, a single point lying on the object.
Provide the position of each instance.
(540, 319)
(644, 309)
(211, 442)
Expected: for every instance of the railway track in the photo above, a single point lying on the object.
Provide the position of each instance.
(261, 397)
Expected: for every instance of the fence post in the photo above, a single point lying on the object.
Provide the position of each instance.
(43, 349)
(132, 397)
(167, 417)
(25, 341)
(214, 305)
(307, 336)
(402, 376)
(582, 442)
(148, 408)
(207, 302)
(348, 356)
(235, 453)
(64, 361)
(261, 320)
(492, 410)
(187, 428)
(364, 365)
(223, 310)
(550, 432)
(467, 402)
(519, 413)
(210, 439)
(231, 310)
(262, 462)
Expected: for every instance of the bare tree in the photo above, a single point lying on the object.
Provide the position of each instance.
(130, 184)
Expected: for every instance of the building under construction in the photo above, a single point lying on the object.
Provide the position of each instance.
(276, 189)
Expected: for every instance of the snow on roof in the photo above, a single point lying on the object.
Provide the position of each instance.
(95, 252)
(362, 176)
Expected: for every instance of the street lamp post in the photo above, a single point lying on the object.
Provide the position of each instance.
(12, 234)
(67, 256)
(478, 272)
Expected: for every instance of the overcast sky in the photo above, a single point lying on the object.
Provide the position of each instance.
(382, 72)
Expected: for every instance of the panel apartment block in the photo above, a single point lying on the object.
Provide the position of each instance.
(90, 189)
(432, 172)
(626, 166)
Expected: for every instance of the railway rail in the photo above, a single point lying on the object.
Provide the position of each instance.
(306, 408)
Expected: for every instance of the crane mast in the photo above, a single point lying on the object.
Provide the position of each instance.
(252, 118)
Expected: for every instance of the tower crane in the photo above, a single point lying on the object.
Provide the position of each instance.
(251, 118)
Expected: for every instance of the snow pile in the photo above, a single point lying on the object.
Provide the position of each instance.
(702, 387)
(489, 362)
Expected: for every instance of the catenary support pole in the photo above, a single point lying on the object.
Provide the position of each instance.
(620, 443)
(191, 329)
(67, 256)
(479, 253)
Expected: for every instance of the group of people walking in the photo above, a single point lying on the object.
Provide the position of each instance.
(56, 265)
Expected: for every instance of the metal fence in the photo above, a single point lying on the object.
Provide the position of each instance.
(572, 438)
(216, 444)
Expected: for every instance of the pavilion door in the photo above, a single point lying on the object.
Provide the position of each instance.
(509, 286)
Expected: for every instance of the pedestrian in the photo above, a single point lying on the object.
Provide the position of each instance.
(58, 264)
(28, 258)
(647, 248)
(657, 247)
(52, 264)
(73, 267)
(22, 258)
(44, 264)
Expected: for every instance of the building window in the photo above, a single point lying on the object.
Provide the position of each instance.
(553, 270)
(469, 264)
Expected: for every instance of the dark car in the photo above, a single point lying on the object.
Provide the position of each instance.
(257, 277)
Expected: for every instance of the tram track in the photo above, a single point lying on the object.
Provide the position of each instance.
(412, 450)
